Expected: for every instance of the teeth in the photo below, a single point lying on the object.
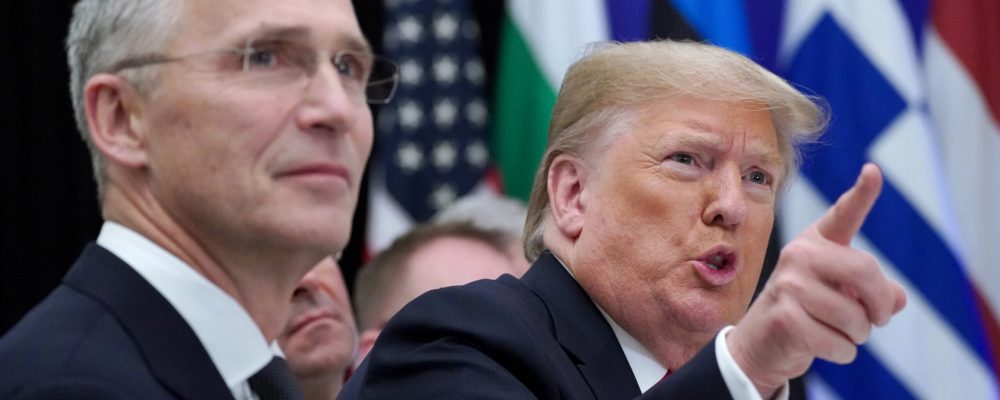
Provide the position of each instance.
(716, 262)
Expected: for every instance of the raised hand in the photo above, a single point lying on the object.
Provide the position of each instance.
(822, 298)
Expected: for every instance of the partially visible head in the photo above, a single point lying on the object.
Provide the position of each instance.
(428, 257)
(659, 186)
(320, 338)
(185, 117)
(490, 211)
(602, 92)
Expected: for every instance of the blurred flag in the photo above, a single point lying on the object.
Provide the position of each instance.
(913, 86)
(539, 40)
(432, 143)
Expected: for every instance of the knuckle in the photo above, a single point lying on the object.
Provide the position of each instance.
(863, 264)
(786, 286)
(786, 319)
(795, 252)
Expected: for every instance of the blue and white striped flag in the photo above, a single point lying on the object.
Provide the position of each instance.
(908, 89)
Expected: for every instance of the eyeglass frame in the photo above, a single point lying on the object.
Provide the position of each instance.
(249, 49)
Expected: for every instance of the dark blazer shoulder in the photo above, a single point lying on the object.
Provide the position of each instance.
(105, 330)
(491, 339)
(537, 337)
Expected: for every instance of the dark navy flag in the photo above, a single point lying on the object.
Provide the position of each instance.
(432, 138)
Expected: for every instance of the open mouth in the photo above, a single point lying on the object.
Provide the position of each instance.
(717, 266)
(717, 261)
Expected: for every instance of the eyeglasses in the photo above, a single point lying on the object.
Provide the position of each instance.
(276, 63)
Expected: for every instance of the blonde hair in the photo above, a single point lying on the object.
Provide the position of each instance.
(613, 81)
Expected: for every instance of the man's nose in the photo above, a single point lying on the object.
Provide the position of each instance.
(327, 106)
(310, 282)
(726, 200)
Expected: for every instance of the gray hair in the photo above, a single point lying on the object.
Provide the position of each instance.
(102, 33)
(613, 81)
(487, 211)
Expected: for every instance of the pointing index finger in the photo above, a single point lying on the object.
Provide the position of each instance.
(845, 217)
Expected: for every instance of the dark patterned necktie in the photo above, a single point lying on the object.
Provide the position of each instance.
(275, 382)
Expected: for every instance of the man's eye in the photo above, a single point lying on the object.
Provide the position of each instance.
(683, 158)
(261, 58)
(759, 178)
(348, 64)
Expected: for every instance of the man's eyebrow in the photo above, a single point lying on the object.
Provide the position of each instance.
(279, 32)
(358, 44)
(300, 32)
(701, 136)
(765, 153)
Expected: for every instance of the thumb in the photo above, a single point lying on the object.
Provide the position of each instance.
(845, 217)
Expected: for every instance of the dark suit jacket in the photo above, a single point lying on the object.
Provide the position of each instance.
(537, 337)
(105, 333)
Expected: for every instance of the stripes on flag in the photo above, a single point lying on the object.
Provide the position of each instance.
(871, 62)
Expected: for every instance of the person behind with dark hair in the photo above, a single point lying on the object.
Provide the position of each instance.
(320, 339)
(228, 140)
(647, 228)
(427, 257)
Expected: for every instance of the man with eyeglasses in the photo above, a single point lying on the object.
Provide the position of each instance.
(228, 140)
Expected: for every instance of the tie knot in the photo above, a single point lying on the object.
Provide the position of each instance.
(275, 382)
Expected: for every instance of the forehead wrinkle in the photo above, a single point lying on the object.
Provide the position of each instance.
(759, 149)
(704, 137)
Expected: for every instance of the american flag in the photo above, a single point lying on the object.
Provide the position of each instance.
(432, 138)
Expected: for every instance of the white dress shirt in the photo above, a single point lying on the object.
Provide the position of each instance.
(230, 336)
(648, 371)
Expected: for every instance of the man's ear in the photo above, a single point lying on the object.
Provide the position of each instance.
(114, 110)
(566, 182)
(365, 343)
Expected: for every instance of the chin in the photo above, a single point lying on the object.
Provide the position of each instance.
(705, 316)
(321, 231)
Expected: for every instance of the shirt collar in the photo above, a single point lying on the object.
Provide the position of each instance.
(230, 336)
(647, 371)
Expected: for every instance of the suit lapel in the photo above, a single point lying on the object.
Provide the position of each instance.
(170, 347)
(582, 331)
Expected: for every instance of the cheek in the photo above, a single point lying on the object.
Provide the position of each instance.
(755, 240)
(363, 136)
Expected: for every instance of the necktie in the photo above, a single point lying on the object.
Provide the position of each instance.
(275, 382)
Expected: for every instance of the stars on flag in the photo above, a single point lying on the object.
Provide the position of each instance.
(410, 29)
(445, 112)
(445, 70)
(410, 72)
(444, 155)
(410, 157)
(432, 137)
(411, 115)
(445, 27)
